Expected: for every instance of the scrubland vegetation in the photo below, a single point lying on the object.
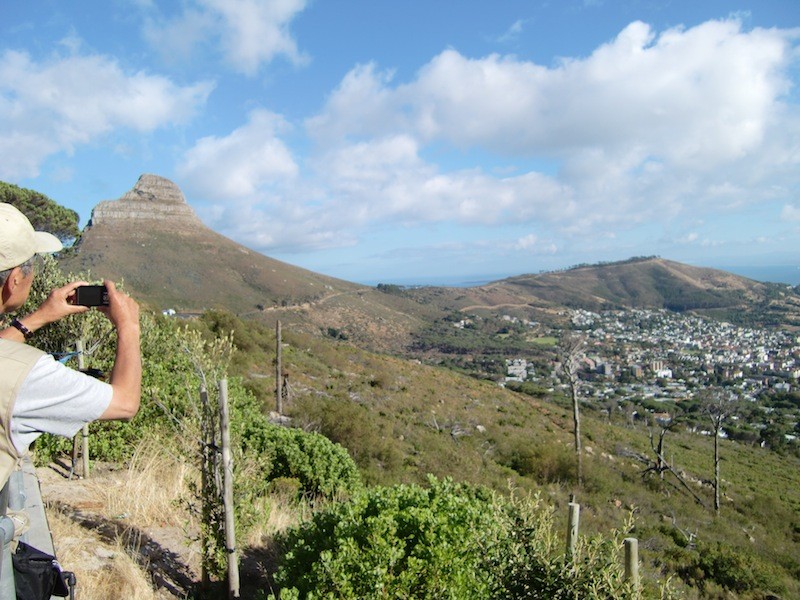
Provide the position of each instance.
(406, 480)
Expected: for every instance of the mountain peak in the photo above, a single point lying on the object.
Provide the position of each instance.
(152, 239)
(154, 188)
(154, 199)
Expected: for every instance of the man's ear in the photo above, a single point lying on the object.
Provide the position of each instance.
(11, 283)
(8, 286)
(14, 278)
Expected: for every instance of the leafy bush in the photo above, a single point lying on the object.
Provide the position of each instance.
(545, 464)
(727, 568)
(321, 467)
(401, 542)
(354, 426)
(444, 541)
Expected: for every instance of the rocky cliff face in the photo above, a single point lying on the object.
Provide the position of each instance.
(153, 202)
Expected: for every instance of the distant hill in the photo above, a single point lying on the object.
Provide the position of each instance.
(643, 283)
(650, 282)
(151, 238)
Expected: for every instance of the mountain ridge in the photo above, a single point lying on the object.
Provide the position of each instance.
(151, 238)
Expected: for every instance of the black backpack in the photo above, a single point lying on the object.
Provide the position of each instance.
(37, 575)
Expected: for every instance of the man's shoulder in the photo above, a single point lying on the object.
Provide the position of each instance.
(16, 351)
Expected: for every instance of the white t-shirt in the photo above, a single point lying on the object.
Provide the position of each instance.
(56, 399)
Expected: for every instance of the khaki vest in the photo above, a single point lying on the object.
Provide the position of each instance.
(16, 361)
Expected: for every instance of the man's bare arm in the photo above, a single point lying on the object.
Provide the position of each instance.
(126, 375)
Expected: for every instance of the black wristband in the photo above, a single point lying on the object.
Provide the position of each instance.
(26, 333)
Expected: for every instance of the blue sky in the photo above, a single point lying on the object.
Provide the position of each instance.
(421, 141)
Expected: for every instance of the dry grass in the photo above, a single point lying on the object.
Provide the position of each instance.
(278, 514)
(103, 570)
(151, 492)
(120, 531)
(126, 534)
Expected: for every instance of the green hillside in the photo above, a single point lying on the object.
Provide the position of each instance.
(401, 421)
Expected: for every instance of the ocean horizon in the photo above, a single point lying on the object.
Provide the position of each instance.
(789, 275)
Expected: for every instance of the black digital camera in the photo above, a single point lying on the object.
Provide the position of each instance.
(91, 295)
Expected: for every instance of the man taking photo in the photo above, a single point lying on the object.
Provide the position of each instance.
(37, 393)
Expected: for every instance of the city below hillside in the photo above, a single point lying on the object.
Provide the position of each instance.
(658, 362)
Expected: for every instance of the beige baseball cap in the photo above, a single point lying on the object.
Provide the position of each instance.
(18, 240)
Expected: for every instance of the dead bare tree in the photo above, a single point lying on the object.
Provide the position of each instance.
(660, 465)
(718, 405)
(570, 352)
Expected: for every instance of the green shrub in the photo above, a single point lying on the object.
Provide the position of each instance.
(544, 464)
(395, 542)
(444, 541)
(727, 568)
(321, 467)
(354, 426)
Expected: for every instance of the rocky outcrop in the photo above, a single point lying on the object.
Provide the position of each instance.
(153, 201)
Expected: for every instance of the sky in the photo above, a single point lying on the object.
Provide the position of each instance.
(423, 141)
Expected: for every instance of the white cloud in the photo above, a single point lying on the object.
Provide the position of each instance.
(513, 33)
(687, 123)
(242, 164)
(527, 242)
(379, 108)
(688, 120)
(249, 33)
(48, 107)
(532, 244)
(278, 224)
(790, 213)
(386, 180)
(258, 198)
(356, 187)
(704, 94)
(178, 39)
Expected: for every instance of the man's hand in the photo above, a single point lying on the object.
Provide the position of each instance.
(122, 310)
(57, 306)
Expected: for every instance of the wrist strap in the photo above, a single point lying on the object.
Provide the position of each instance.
(26, 333)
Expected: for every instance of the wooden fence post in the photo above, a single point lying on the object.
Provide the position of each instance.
(572, 529)
(632, 561)
(79, 348)
(227, 470)
(206, 475)
(278, 370)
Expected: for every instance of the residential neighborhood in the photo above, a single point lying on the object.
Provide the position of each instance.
(656, 359)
